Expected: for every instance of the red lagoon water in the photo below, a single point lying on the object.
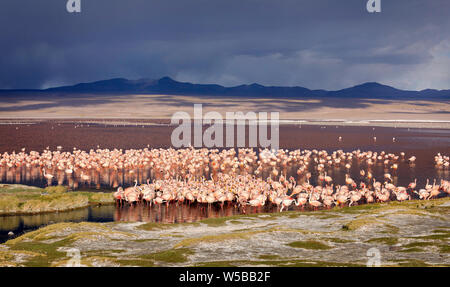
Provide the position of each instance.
(423, 143)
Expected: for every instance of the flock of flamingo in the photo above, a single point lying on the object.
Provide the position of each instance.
(242, 177)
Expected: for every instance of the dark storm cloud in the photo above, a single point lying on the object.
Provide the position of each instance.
(314, 43)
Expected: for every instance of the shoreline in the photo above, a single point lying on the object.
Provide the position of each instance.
(423, 113)
(56, 211)
(137, 121)
(408, 234)
(14, 197)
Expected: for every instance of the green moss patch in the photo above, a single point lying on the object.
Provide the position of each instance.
(221, 221)
(145, 240)
(309, 244)
(269, 256)
(19, 199)
(384, 240)
(48, 252)
(139, 262)
(440, 231)
(216, 264)
(338, 240)
(416, 244)
(47, 241)
(444, 236)
(50, 231)
(149, 226)
(358, 208)
(56, 189)
(358, 223)
(218, 238)
(445, 248)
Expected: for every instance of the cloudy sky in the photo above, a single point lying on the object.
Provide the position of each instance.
(318, 44)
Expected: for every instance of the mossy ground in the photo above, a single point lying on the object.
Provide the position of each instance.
(220, 237)
(20, 199)
(309, 244)
(407, 234)
(359, 223)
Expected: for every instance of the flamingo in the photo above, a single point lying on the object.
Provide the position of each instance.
(286, 203)
(48, 176)
(314, 203)
(413, 185)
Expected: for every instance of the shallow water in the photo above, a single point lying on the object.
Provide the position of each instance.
(424, 168)
(20, 224)
(423, 143)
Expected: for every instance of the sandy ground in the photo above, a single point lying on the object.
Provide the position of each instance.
(413, 233)
(407, 113)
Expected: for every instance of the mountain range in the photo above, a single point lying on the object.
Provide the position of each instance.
(166, 85)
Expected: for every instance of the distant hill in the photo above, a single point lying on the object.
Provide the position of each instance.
(167, 85)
